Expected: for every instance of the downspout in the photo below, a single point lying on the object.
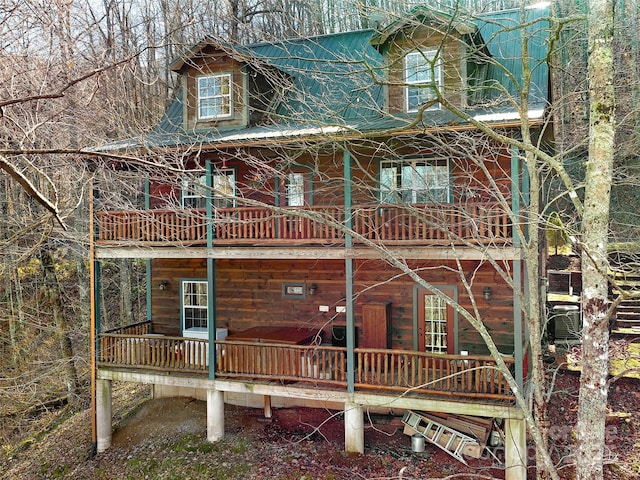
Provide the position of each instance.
(348, 243)
(211, 275)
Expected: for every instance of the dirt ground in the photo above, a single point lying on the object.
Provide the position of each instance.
(166, 439)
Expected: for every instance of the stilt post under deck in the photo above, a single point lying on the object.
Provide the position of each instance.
(103, 414)
(215, 415)
(353, 428)
(515, 449)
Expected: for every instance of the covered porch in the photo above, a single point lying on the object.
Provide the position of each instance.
(309, 374)
(469, 377)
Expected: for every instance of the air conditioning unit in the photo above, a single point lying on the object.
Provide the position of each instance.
(567, 323)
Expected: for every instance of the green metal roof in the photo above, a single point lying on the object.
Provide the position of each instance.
(337, 85)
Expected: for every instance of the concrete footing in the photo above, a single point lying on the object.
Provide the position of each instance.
(353, 428)
(103, 414)
(215, 415)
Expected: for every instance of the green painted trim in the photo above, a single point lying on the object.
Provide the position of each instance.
(149, 288)
(211, 282)
(350, 310)
(97, 313)
(451, 180)
(515, 191)
(517, 326)
(148, 278)
(276, 190)
(351, 330)
(209, 202)
(416, 341)
(348, 199)
(211, 315)
(310, 183)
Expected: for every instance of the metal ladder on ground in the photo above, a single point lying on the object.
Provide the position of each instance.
(451, 441)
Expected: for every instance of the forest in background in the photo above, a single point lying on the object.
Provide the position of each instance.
(78, 74)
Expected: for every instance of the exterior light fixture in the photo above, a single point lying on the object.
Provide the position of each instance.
(163, 285)
(312, 289)
(486, 293)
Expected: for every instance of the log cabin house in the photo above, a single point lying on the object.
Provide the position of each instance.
(329, 216)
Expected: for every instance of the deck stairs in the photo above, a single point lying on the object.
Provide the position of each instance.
(627, 315)
(448, 439)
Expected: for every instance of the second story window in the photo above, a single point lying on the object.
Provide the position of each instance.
(194, 193)
(214, 96)
(415, 181)
(422, 76)
(295, 189)
(224, 188)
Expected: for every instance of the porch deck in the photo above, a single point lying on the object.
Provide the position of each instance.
(379, 370)
(478, 223)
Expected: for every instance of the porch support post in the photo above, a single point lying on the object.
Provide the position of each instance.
(147, 206)
(517, 273)
(515, 449)
(215, 415)
(353, 428)
(103, 414)
(211, 277)
(349, 310)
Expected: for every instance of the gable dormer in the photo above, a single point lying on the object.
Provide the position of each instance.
(428, 54)
(223, 88)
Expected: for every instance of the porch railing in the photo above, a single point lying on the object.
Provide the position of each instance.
(140, 328)
(478, 222)
(383, 370)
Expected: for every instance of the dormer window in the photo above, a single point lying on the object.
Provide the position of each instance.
(423, 77)
(214, 96)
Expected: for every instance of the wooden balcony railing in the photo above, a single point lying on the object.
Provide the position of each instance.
(383, 370)
(448, 223)
(140, 328)
(442, 224)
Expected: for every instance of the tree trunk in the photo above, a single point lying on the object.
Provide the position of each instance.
(52, 294)
(126, 306)
(595, 333)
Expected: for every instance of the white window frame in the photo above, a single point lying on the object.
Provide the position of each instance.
(223, 184)
(425, 63)
(435, 328)
(223, 189)
(217, 96)
(295, 195)
(413, 179)
(194, 191)
(196, 300)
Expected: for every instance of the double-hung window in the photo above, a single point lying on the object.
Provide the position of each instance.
(194, 192)
(415, 181)
(223, 189)
(214, 96)
(295, 189)
(423, 77)
(195, 307)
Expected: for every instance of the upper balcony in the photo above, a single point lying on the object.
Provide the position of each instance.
(444, 224)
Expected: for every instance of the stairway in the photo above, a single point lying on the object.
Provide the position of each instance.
(627, 314)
